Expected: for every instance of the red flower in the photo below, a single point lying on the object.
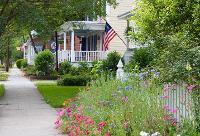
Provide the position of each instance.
(102, 124)
(107, 134)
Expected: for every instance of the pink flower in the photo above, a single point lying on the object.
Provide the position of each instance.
(174, 110)
(167, 87)
(126, 124)
(102, 124)
(165, 97)
(58, 123)
(167, 118)
(61, 112)
(167, 107)
(69, 110)
(190, 87)
(107, 134)
(125, 98)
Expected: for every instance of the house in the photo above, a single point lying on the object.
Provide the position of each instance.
(83, 40)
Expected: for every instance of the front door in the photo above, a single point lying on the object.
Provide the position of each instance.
(83, 47)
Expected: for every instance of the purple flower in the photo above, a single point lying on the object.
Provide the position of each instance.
(128, 88)
(125, 99)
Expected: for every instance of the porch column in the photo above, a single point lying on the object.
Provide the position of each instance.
(65, 41)
(72, 47)
(101, 42)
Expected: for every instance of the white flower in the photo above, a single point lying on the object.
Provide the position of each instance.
(155, 134)
(142, 133)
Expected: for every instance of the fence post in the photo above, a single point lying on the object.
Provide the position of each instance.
(120, 71)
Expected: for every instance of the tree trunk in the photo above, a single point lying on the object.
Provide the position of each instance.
(33, 43)
(8, 58)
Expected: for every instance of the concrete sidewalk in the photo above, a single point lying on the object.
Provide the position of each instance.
(23, 111)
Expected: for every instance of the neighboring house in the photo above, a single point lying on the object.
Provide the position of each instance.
(119, 19)
(83, 40)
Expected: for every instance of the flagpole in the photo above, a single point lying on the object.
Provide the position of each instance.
(118, 35)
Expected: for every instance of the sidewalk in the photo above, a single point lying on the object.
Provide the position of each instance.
(22, 110)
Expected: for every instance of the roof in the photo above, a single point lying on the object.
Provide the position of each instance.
(125, 15)
(82, 25)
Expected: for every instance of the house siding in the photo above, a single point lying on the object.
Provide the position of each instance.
(118, 25)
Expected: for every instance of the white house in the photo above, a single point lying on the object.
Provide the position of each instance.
(83, 40)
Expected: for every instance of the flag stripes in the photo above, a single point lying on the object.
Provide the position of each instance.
(108, 35)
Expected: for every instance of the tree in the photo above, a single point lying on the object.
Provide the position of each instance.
(45, 16)
(172, 27)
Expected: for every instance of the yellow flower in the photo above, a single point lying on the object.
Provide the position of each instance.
(188, 66)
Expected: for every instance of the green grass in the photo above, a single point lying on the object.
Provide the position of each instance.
(56, 95)
(2, 90)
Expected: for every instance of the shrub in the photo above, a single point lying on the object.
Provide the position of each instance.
(141, 57)
(83, 67)
(24, 63)
(30, 70)
(65, 67)
(2, 90)
(2, 66)
(111, 62)
(74, 71)
(19, 63)
(44, 63)
(78, 80)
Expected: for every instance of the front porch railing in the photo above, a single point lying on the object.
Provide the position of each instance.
(89, 56)
(66, 55)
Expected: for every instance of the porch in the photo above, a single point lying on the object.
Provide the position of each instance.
(82, 41)
(78, 41)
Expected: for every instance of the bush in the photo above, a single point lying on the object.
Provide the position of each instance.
(24, 63)
(30, 70)
(44, 63)
(83, 68)
(65, 67)
(111, 62)
(19, 63)
(2, 66)
(2, 90)
(78, 80)
(141, 57)
(74, 71)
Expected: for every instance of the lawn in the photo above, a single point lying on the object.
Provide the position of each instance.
(56, 95)
(2, 90)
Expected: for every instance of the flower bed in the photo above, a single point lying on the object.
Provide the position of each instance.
(114, 108)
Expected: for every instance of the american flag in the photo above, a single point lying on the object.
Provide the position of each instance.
(108, 35)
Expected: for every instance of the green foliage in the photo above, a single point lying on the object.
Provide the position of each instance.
(3, 76)
(188, 128)
(126, 108)
(74, 71)
(24, 63)
(77, 80)
(17, 55)
(30, 70)
(2, 90)
(97, 69)
(56, 95)
(44, 63)
(141, 57)
(19, 63)
(65, 68)
(111, 62)
(83, 67)
(2, 66)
